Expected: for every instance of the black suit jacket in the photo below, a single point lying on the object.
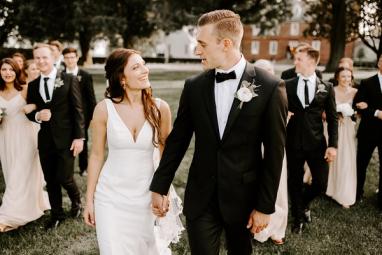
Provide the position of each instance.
(305, 129)
(369, 91)
(67, 120)
(88, 97)
(291, 73)
(232, 168)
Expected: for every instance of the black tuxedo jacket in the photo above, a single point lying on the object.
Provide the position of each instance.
(305, 129)
(231, 169)
(88, 97)
(67, 120)
(291, 73)
(369, 91)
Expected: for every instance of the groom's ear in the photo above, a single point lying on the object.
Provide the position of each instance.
(227, 43)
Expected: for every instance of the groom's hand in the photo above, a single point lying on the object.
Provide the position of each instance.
(257, 221)
(330, 154)
(77, 146)
(159, 204)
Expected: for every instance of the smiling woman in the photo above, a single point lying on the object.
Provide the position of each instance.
(24, 199)
(135, 125)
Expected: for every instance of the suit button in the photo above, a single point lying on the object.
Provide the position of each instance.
(213, 177)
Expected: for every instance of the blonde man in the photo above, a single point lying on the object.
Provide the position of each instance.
(230, 187)
(308, 98)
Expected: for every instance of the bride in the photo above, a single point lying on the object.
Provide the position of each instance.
(135, 126)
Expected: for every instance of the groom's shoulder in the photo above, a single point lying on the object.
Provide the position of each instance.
(264, 77)
(197, 78)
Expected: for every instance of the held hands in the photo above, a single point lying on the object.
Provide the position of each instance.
(89, 215)
(257, 221)
(77, 146)
(159, 204)
(330, 154)
(44, 115)
(361, 105)
(29, 108)
(379, 115)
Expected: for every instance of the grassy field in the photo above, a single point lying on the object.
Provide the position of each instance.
(334, 230)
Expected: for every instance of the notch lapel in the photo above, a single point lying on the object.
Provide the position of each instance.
(248, 75)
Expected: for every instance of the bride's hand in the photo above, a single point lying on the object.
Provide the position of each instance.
(89, 215)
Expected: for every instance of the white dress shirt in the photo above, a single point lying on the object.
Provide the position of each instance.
(312, 80)
(52, 78)
(74, 71)
(225, 93)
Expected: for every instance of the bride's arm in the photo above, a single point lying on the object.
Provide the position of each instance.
(166, 124)
(96, 159)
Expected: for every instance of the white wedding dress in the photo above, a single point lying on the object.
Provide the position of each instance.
(124, 220)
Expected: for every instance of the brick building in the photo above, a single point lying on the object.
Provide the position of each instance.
(274, 44)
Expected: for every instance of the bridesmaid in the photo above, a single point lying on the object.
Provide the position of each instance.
(24, 199)
(279, 219)
(342, 181)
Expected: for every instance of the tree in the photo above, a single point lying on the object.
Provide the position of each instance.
(370, 20)
(343, 21)
(7, 19)
(265, 14)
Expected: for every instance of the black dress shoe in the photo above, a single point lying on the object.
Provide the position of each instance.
(307, 216)
(76, 210)
(298, 227)
(53, 223)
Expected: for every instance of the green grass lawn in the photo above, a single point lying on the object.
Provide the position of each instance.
(334, 230)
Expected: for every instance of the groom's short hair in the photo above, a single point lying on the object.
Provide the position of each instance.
(227, 25)
(310, 51)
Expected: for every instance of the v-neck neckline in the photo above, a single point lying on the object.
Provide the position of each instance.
(11, 99)
(124, 124)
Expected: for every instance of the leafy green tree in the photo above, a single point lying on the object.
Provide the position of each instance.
(342, 21)
(7, 18)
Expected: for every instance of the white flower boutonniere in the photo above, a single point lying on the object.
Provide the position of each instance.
(79, 77)
(58, 83)
(246, 92)
(321, 89)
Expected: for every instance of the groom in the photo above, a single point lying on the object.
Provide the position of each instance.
(231, 186)
(59, 110)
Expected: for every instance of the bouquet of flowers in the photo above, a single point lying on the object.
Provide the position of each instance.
(2, 114)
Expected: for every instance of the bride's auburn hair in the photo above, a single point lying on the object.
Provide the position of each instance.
(114, 67)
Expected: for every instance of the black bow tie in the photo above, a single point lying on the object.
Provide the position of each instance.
(220, 77)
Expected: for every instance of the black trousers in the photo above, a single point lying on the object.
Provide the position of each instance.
(83, 156)
(365, 150)
(57, 166)
(301, 195)
(204, 234)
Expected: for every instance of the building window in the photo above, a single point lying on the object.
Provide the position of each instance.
(273, 47)
(316, 44)
(294, 28)
(255, 47)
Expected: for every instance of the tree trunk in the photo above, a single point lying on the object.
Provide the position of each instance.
(84, 39)
(337, 35)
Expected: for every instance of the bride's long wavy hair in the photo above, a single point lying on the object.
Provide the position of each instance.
(115, 65)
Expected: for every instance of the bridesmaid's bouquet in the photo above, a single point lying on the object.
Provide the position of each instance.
(3, 113)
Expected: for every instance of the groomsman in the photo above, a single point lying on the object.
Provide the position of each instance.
(291, 73)
(58, 103)
(88, 98)
(308, 98)
(368, 101)
(57, 48)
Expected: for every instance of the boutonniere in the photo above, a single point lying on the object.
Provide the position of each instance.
(321, 89)
(79, 77)
(58, 83)
(246, 92)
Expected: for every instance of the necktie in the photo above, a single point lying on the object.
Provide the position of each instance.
(306, 93)
(220, 77)
(47, 96)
